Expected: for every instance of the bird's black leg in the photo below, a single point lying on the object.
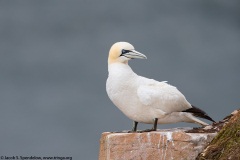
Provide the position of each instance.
(154, 126)
(134, 129)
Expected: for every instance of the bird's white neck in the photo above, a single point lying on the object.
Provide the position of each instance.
(120, 69)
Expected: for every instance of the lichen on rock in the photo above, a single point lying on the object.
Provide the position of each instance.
(226, 145)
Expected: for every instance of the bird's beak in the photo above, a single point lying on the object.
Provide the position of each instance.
(135, 54)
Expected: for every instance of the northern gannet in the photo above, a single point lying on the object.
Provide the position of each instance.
(145, 100)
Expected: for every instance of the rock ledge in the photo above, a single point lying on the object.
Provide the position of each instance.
(162, 144)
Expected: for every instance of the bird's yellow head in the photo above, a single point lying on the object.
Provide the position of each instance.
(122, 52)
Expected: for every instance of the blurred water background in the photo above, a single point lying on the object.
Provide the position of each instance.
(53, 66)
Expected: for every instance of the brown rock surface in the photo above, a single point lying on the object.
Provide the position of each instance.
(162, 144)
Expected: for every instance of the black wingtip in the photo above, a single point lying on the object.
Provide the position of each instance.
(198, 113)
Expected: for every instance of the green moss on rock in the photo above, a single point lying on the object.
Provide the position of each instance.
(226, 145)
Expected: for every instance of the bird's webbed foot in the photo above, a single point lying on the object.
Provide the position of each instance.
(152, 129)
(146, 130)
(124, 131)
(134, 128)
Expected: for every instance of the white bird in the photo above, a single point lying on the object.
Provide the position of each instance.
(145, 100)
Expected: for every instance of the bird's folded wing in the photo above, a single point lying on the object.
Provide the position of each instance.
(162, 96)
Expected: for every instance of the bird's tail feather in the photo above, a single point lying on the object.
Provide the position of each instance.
(198, 113)
(192, 119)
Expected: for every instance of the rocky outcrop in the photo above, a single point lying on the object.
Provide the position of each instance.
(161, 144)
(218, 141)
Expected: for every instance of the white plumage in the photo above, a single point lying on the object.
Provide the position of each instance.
(142, 99)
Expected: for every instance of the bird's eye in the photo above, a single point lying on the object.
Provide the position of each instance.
(124, 51)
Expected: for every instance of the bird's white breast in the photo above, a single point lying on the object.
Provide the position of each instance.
(122, 87)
